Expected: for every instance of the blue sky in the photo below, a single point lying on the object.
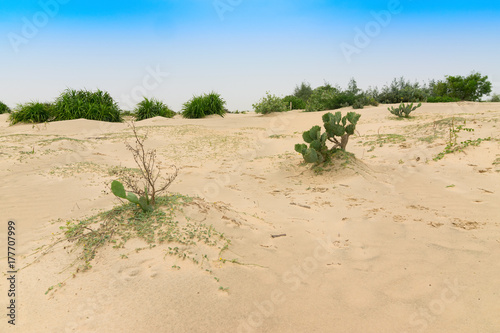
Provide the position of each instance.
(174, 49)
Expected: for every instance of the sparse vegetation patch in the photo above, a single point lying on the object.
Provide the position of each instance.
(453, 146)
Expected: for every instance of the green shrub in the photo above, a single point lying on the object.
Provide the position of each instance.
(149, 108)
(329, 98)
(270, 103)
(403, 110)
(4, 108)
(33, 112)
(358, 104)
(297, 103)
(335, 126)
(402, 91)
(367, 100)
(442, 99)
(322, 99)
(495, 98)
(452, 145)
(98, 105)
(364, 99)
(201, 106)
(470, 88)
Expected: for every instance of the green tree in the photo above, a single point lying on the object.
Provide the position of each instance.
(303, 92)
(352, 87)
(470, 88)
(439, 88)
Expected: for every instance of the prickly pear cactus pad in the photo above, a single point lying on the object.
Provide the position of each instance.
(403, 110)
(337, 130)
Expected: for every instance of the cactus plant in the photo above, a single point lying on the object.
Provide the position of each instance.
(403, 110)
(335, 126)
(143, 202)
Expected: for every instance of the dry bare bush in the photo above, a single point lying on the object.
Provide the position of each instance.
(149, 182)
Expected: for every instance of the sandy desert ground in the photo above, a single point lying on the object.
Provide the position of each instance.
(391, 241)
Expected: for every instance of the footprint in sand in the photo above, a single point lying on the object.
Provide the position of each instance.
(129, 273)
(146, 267)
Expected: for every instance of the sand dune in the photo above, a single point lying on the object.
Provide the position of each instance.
(390, 241)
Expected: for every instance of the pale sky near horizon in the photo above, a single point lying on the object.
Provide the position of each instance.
(174, 49)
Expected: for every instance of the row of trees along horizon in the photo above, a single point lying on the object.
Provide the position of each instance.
(99, 105)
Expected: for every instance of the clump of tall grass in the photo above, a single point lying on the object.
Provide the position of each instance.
(205, 105)
(214, 104)
(93, 105)
(32, 112)
(149, 108)
(4, 108)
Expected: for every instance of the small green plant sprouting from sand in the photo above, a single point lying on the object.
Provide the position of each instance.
(335, 126)
(384, 139)
(224, 289)
(496, 162)
(453, 146)
(403, 110)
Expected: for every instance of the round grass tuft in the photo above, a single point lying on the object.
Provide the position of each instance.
(149, 108)
(201, 106)
(33, 112)
(97, 105)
